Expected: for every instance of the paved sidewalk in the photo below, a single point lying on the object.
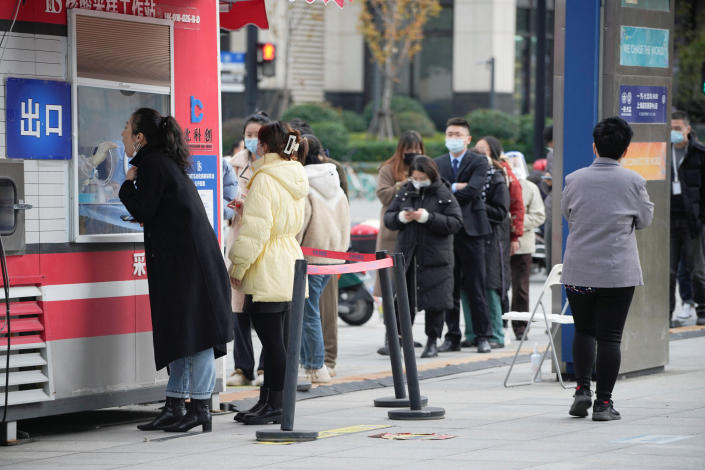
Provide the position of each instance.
(663, 426)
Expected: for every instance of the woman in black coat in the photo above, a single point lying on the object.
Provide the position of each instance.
(426, 214)
(189, 289)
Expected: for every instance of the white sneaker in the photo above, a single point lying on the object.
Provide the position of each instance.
(259, 380)
(687, 312)
(237, 379)
(331, 371)
(319, 376)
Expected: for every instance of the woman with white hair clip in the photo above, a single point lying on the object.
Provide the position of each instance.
(534, 216)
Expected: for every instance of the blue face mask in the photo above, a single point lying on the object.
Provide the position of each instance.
(455, 145)
(677, 137)
(251, 145)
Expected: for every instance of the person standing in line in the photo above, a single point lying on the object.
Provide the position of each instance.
(189, 295)
(329, 297)
(467, 172)
(265, 251)
(495, 195)
(604, 205)
(243, 353)
(326, 227)
(534, 216)
(687, 212)
(426, 215)
(392, 176)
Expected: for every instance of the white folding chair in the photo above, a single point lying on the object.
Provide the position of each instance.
(551, 320)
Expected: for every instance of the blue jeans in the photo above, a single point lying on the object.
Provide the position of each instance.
(312, 350)
(192, 376)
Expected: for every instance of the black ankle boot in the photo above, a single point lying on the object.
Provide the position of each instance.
(431, 350)
(270, 413)
(174, 409)
(199, 413)
(263, 394)
(581, 403)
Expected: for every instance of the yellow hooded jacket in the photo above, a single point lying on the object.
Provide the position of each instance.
(266, 249)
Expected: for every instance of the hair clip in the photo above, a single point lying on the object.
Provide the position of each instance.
(291, 145)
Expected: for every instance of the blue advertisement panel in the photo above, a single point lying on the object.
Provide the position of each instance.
(38, 117)
(643, 104)
(204, 174)
(643, 47)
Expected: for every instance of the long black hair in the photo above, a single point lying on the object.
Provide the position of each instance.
(313, 156)
(258, 117)
(162, 132)
(425, 165)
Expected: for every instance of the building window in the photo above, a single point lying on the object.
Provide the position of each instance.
(110, 82)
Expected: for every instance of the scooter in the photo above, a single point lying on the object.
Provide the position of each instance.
(355, 303)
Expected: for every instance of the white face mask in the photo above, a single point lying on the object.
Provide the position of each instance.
(421, 184)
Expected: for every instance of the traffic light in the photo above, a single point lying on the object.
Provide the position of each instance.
(266, 54)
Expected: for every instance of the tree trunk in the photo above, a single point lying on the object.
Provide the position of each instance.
(382, 125)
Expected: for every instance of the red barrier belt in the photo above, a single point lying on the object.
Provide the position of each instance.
(350, 268)
(338, 254)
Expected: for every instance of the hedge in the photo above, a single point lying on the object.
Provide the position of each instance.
(484, 122)
(312, 112)
(333, 136)
(413, 121)
(399, 104)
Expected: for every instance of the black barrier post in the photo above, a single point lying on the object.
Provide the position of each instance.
(296, 315)
(399, 400)
(416, 410)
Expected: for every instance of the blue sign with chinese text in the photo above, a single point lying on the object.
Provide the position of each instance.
(643, 104)
(38, 118)
(204, 174)
(643, 47)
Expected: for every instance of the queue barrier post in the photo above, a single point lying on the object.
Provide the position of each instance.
(416, 410)
(400, 399)
(296, 315)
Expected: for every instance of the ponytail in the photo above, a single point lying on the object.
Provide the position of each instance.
(281, 139)
(162, 132)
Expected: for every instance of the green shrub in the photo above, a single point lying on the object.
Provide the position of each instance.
(353, 121)
(399, 104)
(333, 136)
(312, 112)
(484, 122)
(414, 121)
(371, 150)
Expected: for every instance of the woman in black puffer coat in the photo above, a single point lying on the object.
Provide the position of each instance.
(426, 214)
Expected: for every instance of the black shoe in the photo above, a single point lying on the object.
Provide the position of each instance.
(431, 350)
(496, 345)
(263, 393)
(483, 346)
(449, 345)
(468, 344)
(174, 409)
(604, 411)
(519, 333)
(581, 403)
(417, 344)
(270, 413)
(199, 414)
(700, 321)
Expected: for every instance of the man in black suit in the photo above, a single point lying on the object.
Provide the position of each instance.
(467, 172)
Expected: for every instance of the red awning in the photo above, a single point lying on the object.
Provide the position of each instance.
(243, 12)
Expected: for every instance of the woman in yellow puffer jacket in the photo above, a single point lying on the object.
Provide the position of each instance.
(265, 251)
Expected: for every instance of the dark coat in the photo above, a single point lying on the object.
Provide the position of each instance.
(690, 205)
(429, 244)
(189, 289)
(472, 171)
(497, 245)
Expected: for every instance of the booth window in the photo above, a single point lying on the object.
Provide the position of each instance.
(118, 66)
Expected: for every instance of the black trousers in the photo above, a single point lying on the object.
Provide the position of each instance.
(268, 321)
(242, 346)
(434, 323)
(469, 275)
(599, 322)
(521, 269)
(690, 250)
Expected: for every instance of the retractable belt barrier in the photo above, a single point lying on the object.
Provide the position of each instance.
(363, 262)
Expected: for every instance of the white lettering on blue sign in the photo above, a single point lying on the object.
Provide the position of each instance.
(58, 129)
(30, 116)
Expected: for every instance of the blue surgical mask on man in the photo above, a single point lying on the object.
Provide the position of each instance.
(251, 145)
(455, 145)
(677, 137)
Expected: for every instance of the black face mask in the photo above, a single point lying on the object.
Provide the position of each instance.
(409, 158)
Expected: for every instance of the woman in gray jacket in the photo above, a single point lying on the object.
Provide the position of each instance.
(604, 205)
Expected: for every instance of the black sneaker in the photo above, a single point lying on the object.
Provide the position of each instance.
(604, 411)
(581, 403)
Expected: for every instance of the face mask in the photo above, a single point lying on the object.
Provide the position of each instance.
(421, 184)
(677, 137)
(455, 145)
(251, 145)
(409, 158)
